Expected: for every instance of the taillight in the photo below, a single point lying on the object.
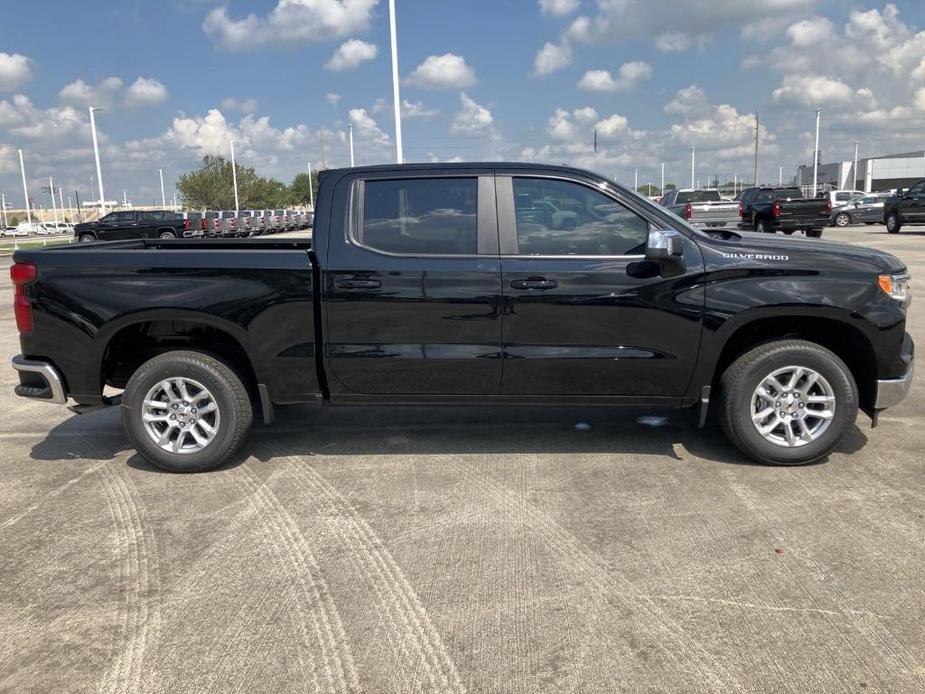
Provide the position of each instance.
(775, 209)
(828, 206)
(688, 212)
(204, 224)
(22, 274)
(185, 224)
(741, 209)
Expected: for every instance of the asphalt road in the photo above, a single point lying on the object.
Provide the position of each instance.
(471, 550)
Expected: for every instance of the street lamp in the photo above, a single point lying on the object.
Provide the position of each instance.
(96, 154)
(234, 177)
(396, 98)
(163, 197)
(25, 188)
(311, 188)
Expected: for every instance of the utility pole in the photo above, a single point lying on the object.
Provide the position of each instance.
(756, 148)
(96, 155)
(160, 172)
(816, 154)
(311, 187)
(396, 97)
(692, 166)
(54, 208)
(234, 178)
(663, 178)
(350, 137)
(25, 188)
(854, 171)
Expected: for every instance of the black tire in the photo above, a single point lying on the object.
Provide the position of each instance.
(842, 219)
(87, 238)
(166, 235)
(741, 379)
(814, 233)
(761, 226)
(893, 225)
(229, 393)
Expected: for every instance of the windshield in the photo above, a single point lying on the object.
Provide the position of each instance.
(686, 196)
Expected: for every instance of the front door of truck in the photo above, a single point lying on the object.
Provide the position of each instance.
(585, 314)
(412, 289)
(913, 203)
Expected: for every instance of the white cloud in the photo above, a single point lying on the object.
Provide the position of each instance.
(563, 126)
(333, 98)
(23, 120)
(246, 106)
(612, 127)
(15, 71)
(920, 99)
(417, 109)
(674, 29)
(472, 118)
(630, 75)
(812, 90)
(99, 94)
(145, 92)
(559, 8)
(552, 57)
(290, 22)
(688, 100)
(351, 54)
(366, 127)
(447, 71)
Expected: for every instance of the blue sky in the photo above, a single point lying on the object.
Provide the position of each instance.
(514, 80)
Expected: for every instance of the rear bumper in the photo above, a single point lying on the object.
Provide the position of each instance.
(892, 391)
(39, 380)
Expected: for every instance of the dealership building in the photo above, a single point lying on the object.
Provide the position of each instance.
(874, 174)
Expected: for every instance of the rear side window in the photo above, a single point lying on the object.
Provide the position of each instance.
(563, 218)
(687, 196)
(421, 216)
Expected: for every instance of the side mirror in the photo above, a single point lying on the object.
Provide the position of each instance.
(664, 244)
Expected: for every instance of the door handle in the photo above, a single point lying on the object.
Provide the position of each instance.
(349, 283)
(534, 283)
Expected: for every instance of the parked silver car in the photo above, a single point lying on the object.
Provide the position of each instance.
(867, 209)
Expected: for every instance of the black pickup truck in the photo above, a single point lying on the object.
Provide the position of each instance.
(443, 285)
(135, 224)
(906, 207)
(767, 210)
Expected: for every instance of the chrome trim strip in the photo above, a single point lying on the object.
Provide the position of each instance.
(892, 391)
(49, 372)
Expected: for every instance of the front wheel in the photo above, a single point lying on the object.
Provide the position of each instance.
(186, 411)
(787, 402)
(87, 238)
(893, 225)
(842, 219)
(167, 235)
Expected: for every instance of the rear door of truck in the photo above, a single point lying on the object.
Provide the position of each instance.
(412, 286)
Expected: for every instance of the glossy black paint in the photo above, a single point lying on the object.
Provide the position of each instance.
(794, 214)
(458, 329)
(908, 206)
(132, 224)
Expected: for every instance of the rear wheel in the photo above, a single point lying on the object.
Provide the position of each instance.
(842, 219)
(186, 411)
(167, 235)
(893, 225)
(787, 402)
(761, 226)
(87, 238)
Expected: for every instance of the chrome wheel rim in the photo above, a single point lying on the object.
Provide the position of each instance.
(792, 406)
(167, 235)
(842, 220)
(180, 415)
(891, 222)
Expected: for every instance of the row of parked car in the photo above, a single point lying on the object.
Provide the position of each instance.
(36, 229)
(131, 224)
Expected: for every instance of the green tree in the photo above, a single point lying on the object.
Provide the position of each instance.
(13, 221)
(211, 185)
(268, 193)
(670, 186)
(649, 190)
(299, 188)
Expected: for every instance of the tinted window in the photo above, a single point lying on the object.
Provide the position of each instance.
(843, 197)
(686, 196)
(917, 188)
(421, 216)
(147, 217)
(121, 217)
(564, 218)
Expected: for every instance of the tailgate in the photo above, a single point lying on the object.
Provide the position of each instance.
(804, 210)
(714, 213)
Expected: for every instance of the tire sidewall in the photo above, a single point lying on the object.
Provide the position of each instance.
(894, 228)
(842, 219)
(846, 405)
(150, 374)
(760, 227)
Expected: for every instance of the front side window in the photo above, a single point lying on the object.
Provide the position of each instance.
(421, 216)
(121, 217)
(147, 217)
(562, 218)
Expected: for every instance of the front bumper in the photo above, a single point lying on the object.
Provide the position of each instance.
(892, 391)
(39, 380)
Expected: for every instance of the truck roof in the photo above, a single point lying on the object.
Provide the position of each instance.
(459, 166)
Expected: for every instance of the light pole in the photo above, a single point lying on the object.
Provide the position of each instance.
(311, 187)
(636, 181)
(3, 207)
(816, 154)
(25, 188)
(96, 155)
(663, 179)
(61, 205)
(854, 171)
(396, 97)
(780, 176)
(692, 166)
(54, 208)
(234, 178)
(160, 173)
(350, 137)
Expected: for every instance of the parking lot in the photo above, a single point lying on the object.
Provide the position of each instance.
(423, 550)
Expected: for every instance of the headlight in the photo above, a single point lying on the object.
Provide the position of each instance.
(896, 286)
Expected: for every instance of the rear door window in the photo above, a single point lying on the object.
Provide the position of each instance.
(420, 216)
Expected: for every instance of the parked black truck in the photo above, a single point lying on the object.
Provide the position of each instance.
(454, 284)
(768, 210)
(136, 224)
(904, 208)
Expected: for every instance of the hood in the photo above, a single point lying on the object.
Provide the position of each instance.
(800, 251)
